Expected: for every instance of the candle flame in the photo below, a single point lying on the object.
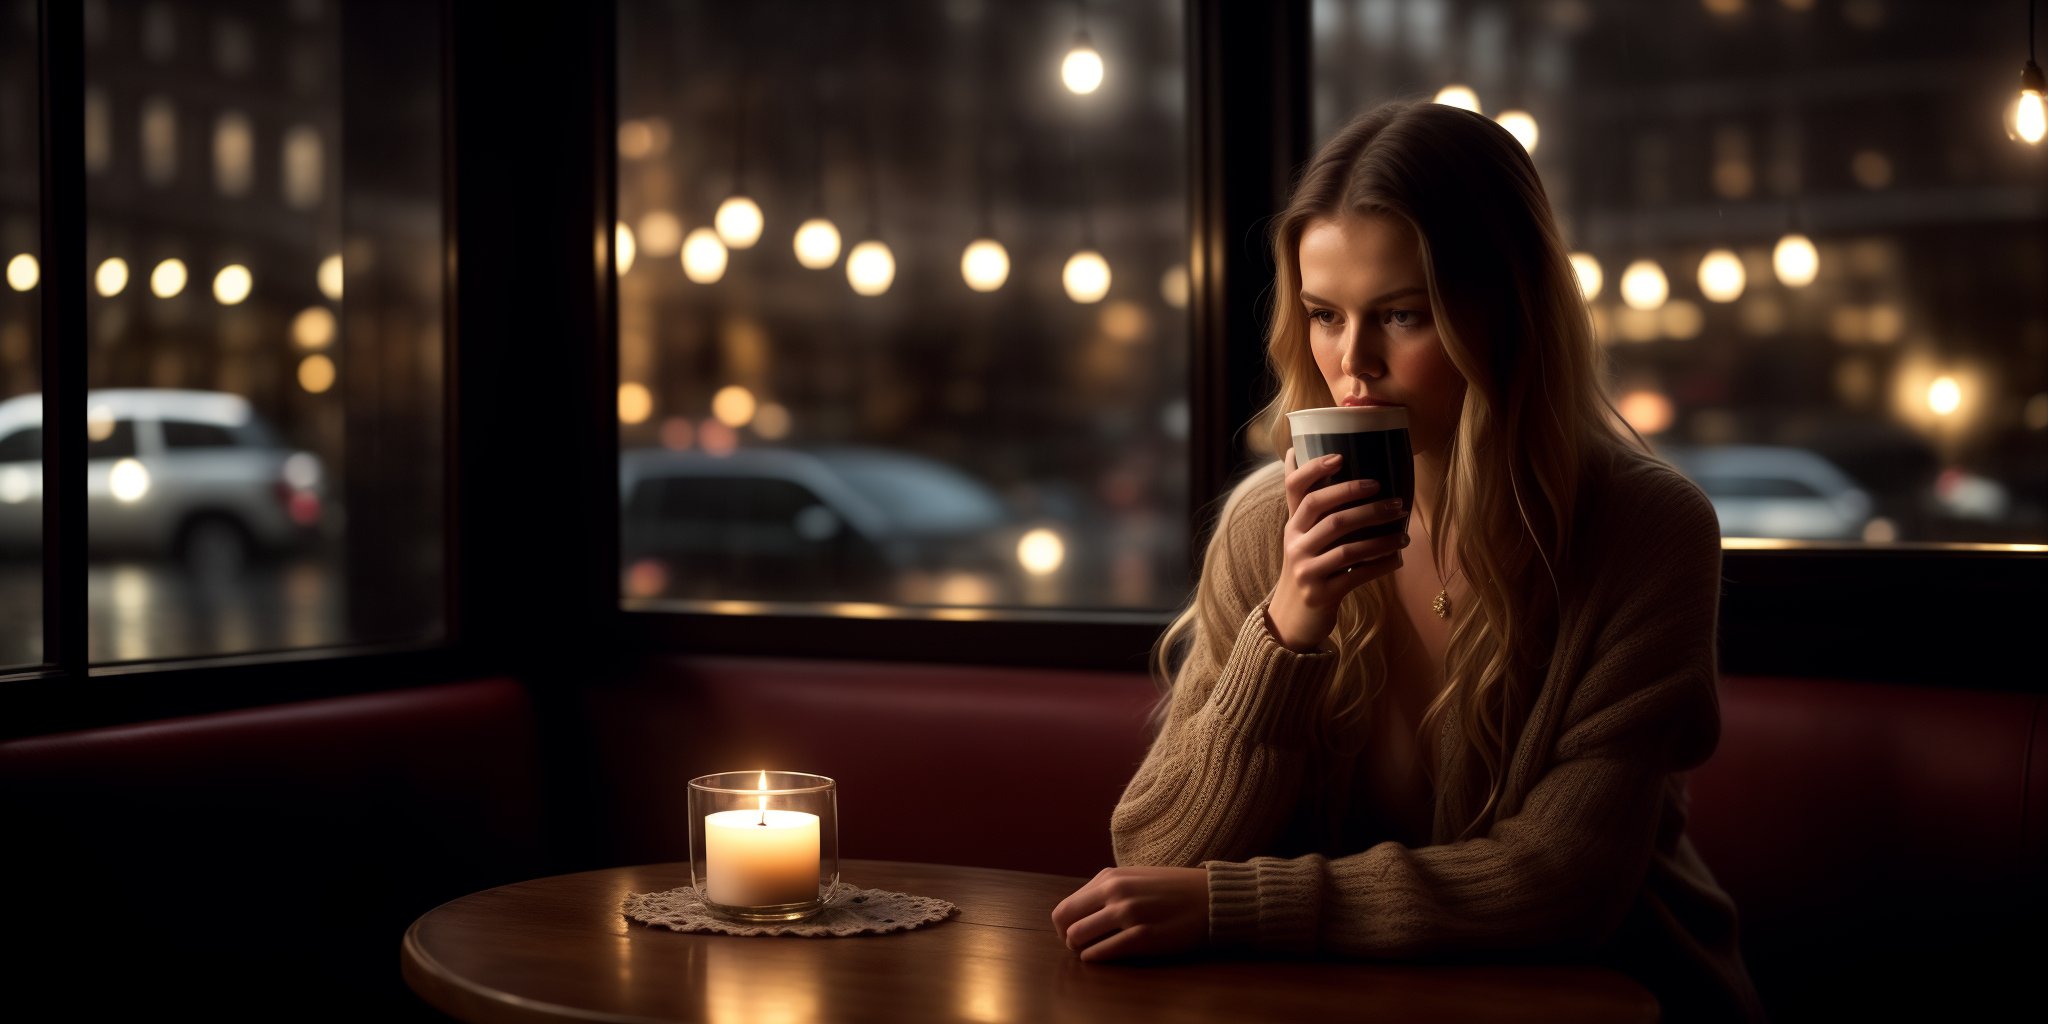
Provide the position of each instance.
(764, 798)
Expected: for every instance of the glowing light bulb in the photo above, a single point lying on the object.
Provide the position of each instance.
(1643, 285)
(1173, 286)
(1944, 396)
(704, 256)
(817, 243)
(733, 406)
(1796, 261)
(622, 240)
(870, 268)
(112, 277)
(23, 272)
(330, 277)
(1721, 276)
(636, 403)
(1520, 125)
(2030, 122)
(168, 279)
(316, 373)
(1459, 96)
(1588, 270)
(1646, 410)
(1041, 551)
(659, 234)
(313, 328)
(1082, 70)
(739, 222)
(232, 284)
(985, 264)
(772, 421)
(128, 481)
(1086, 276)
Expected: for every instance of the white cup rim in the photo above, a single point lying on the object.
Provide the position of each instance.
(1347, 419)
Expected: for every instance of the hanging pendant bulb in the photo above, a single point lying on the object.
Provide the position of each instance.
(739, 222)
(1643, 285)
(2030, 121)
(1796, 261)
(870, 268)
(985, 264)
(1082, 69)
(1721, 276)
(817, 243)
(1086, 276)
(704, 256)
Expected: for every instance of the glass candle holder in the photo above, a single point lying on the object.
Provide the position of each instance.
(764, 846)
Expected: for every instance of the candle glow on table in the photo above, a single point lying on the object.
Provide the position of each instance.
(758, 858)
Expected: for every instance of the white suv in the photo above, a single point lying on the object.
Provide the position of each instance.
(195, 475)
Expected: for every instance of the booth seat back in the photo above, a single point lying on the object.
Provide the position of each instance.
(261, 864)
(1853, 824)
(1886, 845)
(989, 767)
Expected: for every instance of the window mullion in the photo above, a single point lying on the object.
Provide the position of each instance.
(62, 91)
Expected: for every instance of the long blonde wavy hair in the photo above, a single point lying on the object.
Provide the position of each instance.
(1536, 414)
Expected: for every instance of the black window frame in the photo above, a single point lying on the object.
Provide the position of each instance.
(532, 582)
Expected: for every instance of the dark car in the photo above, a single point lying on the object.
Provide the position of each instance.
(830, 524)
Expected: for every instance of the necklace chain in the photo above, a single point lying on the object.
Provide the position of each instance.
(1442, 605)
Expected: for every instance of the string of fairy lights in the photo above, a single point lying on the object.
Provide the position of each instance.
(870, 265)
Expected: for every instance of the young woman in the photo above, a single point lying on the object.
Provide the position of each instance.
(1472, 745)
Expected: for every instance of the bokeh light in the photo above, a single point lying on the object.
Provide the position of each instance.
(1086, 276)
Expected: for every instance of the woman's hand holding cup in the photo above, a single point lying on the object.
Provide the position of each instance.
(1318, 566)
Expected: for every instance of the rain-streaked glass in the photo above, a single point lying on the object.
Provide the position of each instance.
(1813, 241)
(904, 318)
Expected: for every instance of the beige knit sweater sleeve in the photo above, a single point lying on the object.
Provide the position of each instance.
(1557, 872)
(1227, 767)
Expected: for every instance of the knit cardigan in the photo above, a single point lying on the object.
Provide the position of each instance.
(1584, 857)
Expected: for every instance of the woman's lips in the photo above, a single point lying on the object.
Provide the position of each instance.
(1366, 400)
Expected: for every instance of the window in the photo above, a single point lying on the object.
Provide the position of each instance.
(902, 315)
(24, 445)
(110, 439)
(21, 270)
(181, 434)
(264, 319)
(1802, 230)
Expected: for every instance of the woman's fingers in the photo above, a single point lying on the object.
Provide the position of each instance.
(1091, 929)
(1360, 560)
(1331, 528)
(1079, 904)
(1301, 480)
(1128, 942)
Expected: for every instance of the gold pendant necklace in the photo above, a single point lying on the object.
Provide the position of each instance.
(1442, 605)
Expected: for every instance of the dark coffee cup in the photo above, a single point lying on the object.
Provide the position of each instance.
(1373, 439)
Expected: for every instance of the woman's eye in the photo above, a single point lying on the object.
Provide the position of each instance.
(1323, 317)
(1404, 317)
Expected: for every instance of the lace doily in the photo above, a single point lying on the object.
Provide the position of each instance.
(852, 911)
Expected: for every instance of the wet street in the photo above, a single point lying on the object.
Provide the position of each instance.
(143, 611)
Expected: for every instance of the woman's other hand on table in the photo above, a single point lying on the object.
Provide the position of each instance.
(1129, 912)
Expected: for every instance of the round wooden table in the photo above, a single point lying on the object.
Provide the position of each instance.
(560, 949)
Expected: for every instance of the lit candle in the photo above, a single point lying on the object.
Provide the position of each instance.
(761, 857)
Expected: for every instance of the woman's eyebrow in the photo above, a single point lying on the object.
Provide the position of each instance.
(1388, 297)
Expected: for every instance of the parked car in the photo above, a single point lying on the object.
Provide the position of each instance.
(194, 475)
(1777, 492)
(837, 524)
